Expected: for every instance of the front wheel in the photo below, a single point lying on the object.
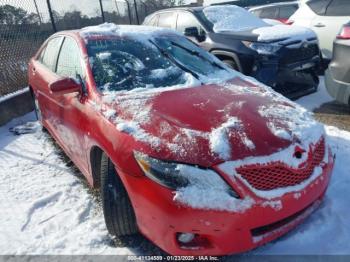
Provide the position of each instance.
(117, 209)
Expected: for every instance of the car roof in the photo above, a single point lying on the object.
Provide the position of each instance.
(183, 8)
(108, 30)
(274, 4)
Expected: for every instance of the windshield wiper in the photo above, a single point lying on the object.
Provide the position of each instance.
(172, 59)
(198, 54)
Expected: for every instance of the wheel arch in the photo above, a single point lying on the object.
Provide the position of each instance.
(95, 163)
(222, 55)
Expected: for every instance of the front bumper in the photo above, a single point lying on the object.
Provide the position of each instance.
(160, 219)
(292, 80)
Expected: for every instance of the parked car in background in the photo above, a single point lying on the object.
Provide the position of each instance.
(283, 57)
(337, 76)
(326, 18)
(278, 11)
(194, 155)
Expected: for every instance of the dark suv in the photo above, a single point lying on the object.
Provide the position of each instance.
(288, 63)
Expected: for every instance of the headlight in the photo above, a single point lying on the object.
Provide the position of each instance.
(263, 48)
(175, 176)
(164, 173)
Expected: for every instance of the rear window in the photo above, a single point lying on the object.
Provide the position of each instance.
(269, 12)
(338, 8)
(287, 11)
(318, 6)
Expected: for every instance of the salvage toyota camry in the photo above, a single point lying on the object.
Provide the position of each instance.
(195, 156)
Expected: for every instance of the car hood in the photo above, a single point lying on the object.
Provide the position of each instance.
(272, 33)
(207, 125)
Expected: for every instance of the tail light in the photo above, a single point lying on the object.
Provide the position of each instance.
(344, 32)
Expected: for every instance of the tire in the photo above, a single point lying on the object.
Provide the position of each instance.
(231, 64)
(117, 209)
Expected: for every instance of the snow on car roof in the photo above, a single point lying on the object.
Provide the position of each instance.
(110, 29)
(232, 18)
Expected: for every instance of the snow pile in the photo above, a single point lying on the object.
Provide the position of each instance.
(278, 32)
(219, 138)
(231, 18)
(290, 121)
(207, 190)
(27, 128)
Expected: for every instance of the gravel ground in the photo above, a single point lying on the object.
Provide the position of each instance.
(334, 114)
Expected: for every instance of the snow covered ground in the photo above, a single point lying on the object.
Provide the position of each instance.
(47, 208)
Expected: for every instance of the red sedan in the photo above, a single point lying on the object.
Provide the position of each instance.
(198, 158)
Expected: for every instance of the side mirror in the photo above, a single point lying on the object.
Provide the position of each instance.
(64, 86)
(194, 33)
(191, 32)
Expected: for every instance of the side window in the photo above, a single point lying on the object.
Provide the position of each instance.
(257, 12)
(153, 21)
(69, 64)
(167, 20)
(51, 51)
(338, 8)
(270, 12)
(185, 20)
(287, 11)
(318, 6)
(41, 55)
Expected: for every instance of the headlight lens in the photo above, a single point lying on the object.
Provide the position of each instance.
(175, 176)
(263, 48)
(164, 173)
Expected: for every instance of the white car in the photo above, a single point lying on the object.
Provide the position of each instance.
(326, 18)
(277, 11)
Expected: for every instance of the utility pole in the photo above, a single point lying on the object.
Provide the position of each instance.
(136, 13)
(102, 13)
(51, 16)
(37, 10)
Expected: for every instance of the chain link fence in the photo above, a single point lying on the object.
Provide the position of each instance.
(25, 24)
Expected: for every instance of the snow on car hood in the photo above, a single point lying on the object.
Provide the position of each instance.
(213, 123)
(230, 18)
(278, 32)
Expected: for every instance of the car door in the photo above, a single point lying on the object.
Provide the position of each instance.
(71, 109)
(328, 23)
(187, 20)
(42, 74)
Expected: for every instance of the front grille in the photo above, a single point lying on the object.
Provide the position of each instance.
(293, 55)
(279, 175)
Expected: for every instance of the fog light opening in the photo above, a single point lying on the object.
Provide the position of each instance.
(185, 238)
(192, 241)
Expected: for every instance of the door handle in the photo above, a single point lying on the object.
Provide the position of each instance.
(319, 25)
